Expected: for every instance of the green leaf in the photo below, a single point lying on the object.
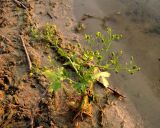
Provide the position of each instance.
(55, 78)
(62, 53)
(107, 66)
(55, 86)
(50, 75)
(80, 87)
(67, 63)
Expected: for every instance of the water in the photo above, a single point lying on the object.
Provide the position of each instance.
(138, 21)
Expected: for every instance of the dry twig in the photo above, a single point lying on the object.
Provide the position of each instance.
(116, 93)
(26, 52)
(20, 4)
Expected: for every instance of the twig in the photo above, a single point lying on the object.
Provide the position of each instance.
(32, 118)
(20, 4)
(116, 93)
(49, 15)
(26, 52)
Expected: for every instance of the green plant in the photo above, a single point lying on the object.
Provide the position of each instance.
(86, 63)
(113, 58)
(34, 33)
(46, 33)
(55, 78)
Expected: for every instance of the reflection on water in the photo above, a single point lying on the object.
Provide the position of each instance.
(139, 21)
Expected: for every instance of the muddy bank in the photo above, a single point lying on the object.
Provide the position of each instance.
(63, 17)
(25, 99)
(136, 20)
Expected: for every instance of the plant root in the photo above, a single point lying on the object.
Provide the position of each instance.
(84, 109)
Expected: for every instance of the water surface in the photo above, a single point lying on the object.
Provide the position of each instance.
(138, 21)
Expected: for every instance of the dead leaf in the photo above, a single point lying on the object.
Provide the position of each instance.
(101, 77)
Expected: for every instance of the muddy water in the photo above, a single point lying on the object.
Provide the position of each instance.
(138, 21)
